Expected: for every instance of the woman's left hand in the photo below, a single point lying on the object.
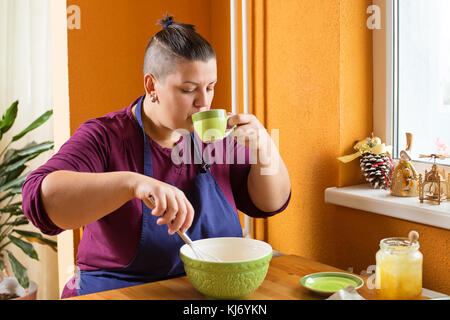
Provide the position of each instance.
(249, 131)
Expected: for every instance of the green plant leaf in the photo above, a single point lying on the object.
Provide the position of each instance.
(16, 183)
(8, 118)
(18, 212)
(6, 196)
(25, 246)
(12, 152)
(37, 237)
(2, 265)
(13, 209)
(9, 153)
(36, 148)
(36, 123)
(18, 222)
(17, 190)
(11, 193)
(19, 271)
(19, 163)
(10, 176)
(33, 149)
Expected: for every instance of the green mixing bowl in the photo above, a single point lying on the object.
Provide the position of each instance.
(242, 270)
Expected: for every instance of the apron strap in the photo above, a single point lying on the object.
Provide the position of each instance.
(148, 166)
(205, 167)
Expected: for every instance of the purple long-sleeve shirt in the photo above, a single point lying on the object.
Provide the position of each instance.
(114, 142)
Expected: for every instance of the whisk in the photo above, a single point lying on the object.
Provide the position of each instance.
(201, 255)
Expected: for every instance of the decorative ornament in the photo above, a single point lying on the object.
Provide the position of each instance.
(435, 185)
(375, 162)
(405, 178)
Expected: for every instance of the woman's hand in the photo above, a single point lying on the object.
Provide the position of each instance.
(172, 206)
(249, 131)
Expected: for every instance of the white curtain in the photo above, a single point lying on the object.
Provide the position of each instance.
(25, 75)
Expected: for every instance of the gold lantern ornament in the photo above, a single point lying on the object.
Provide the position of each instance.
(434, 186)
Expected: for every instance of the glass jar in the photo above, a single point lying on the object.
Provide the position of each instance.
(399, 269)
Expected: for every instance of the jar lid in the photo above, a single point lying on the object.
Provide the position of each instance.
(399, 244)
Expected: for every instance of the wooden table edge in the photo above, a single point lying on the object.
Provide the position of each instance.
(284, 271)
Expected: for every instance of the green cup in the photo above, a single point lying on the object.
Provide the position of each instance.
(211, 125)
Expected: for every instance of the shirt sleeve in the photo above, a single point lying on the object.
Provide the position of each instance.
(86, 151)
(239, 172)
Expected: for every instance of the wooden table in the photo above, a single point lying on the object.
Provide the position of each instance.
(281, 283)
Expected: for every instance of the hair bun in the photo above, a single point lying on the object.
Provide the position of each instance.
(166, 21)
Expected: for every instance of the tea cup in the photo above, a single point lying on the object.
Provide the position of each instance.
(211, 125)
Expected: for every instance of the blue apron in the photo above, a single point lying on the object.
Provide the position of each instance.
(158, 257)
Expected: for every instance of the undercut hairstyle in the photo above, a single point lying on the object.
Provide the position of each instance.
(175, 43)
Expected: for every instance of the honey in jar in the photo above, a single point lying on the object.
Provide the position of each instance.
(399, 269)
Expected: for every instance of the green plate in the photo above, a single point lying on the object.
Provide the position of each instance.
(327, 283)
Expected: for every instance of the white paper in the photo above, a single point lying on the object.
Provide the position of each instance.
(348, 293)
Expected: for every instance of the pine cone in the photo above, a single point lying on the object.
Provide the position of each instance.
(377, 169)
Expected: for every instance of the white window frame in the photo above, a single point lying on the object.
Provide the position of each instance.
(364, 197)
(385, 78)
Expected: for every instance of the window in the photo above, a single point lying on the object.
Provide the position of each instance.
(421, 38)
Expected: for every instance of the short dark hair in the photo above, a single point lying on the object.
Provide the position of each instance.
(174, 43)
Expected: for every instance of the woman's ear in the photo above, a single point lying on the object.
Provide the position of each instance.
(149, 83)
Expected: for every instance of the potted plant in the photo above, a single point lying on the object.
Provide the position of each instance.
(13, 165)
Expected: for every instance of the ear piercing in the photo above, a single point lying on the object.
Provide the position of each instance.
(153, 97)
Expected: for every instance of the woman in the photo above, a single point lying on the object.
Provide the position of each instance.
(103, 177)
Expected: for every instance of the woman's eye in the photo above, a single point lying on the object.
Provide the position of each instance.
(193, 90)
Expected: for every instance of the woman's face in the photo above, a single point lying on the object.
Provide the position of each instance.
(185, 92)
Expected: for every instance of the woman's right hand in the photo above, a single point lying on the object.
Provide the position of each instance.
(172, 206)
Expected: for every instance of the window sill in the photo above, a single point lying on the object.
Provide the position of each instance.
(364, 197)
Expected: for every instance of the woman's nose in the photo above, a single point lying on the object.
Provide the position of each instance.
(202, 100)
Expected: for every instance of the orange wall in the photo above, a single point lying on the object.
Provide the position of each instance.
(311, 72)
(315, 58)
(301, 53)
(106, 54)
(220, 39)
